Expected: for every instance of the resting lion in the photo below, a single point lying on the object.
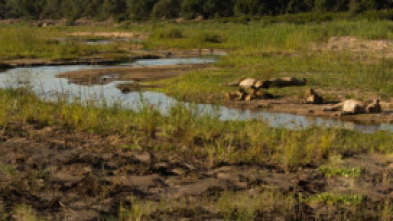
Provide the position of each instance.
(247, 83)
(313, 97)
(356, 107)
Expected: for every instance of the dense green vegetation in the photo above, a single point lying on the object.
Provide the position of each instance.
(142, 9)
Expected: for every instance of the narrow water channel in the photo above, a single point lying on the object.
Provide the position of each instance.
(42, 80)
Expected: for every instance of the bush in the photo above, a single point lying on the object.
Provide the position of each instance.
(374, 15)
(166, 9)
(206, 37)
(169, 33)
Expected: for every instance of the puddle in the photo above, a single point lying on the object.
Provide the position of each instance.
(95, 41)
(43, 82)
(170, 61)
(106, 41)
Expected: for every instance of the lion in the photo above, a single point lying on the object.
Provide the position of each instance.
(349, 107)
(239, 95)
(313, 97)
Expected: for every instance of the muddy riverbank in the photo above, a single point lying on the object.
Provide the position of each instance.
(107, 75)
(30, 62)
(113, 84)
(280, 104)
(66, 175)
(294, 105)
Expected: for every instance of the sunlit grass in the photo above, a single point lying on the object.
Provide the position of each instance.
(205, 135)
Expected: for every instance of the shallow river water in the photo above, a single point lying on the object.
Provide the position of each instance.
(44, 83)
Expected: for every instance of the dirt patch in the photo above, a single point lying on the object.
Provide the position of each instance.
(378, 48)
(107, 75)
(175, 53)
(179, 53)
(78, 176)
(120, 35)
(48, 62)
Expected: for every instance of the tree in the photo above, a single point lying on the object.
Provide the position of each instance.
(51, 9)
(192, 8)
(166, 8)
(296, 6)
(331, 5)
(92, 8)
(214, 8)
(3, 9)
(364, 5)
(71, 9)
(140, 9)
(21, 8)
(260, 7)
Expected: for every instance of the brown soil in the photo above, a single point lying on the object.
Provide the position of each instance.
(180, 53)
(121, 35)
(48, 62)
(173, 52)
(373, 48)
(91, 77)
(76, 176)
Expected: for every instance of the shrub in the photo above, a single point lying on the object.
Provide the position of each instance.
(169, 33)
(166, 9)
(206, 37)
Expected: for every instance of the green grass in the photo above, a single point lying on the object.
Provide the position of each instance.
(220, 142)
(237, 206)
(257, 49)
(273, 50)
(26, 41)
(140, 210)
(346, 172)
(25, 213)
(330, 198)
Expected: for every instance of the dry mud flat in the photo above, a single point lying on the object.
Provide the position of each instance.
(75, 176)
(121, 35)
(379, 48)
(28, 62)
(107, 75)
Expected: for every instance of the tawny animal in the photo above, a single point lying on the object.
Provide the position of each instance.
(250, 83)
(239, 95)
(374, 107)
(356, 107)
(256, 94)
(251, 94)
(313, 97)
(274, 82)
